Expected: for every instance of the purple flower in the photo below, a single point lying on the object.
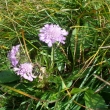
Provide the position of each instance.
(25, 71)
(52, 33)
(12, 55)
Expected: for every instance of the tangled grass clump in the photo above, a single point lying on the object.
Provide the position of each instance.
(64, 47)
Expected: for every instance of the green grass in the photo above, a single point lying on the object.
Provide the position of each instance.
(76, 74)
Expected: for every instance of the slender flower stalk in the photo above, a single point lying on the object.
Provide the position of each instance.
(52, 33)
(52, 56)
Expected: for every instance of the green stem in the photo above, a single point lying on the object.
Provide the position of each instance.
(52, 56)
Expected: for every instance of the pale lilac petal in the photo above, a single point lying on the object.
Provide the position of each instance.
(15, 69)
(28, 77)
(64, 32)
(50, 44)
(25, 71)
(12, 55)
(52, 33)
(46, 25)
(14, 62)
(42, 38)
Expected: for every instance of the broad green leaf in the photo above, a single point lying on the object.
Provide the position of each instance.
(2, 108)
(7, 76)
(94, 101)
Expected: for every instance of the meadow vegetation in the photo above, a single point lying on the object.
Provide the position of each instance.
(70, 76)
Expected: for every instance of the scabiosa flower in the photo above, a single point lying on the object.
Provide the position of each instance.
(52, 33)
(25, 71)
(12, 55)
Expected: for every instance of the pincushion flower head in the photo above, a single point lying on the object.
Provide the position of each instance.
(12, 55)
(52, 33)
(22, 69)
(25, 71)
